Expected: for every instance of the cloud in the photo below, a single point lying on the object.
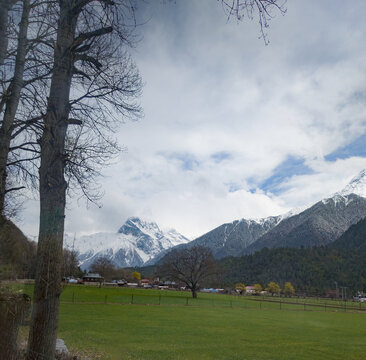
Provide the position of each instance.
(234, 128)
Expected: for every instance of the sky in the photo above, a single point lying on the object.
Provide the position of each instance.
(233, 128)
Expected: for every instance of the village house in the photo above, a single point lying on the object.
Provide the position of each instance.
(93, 279)
(250, 290)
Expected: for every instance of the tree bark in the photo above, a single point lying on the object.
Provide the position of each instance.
(194, 293)
(12, 100)
(13, 308)
(5, 7)
(44, 322)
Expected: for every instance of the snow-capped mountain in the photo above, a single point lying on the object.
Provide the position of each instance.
(135, 243)
(231, 239)
(139, 243)
(356, 186)
(321, 223)
(314, 225)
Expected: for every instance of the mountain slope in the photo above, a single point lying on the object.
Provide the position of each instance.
(310, 269)
(322, 223)
(135, 243)
(232, 238)
(353, 239)
(319, 225)
(17, 252)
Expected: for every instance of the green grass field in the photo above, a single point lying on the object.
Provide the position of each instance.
(209, 328)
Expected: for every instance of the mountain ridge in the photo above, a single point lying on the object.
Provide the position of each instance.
(135, 243)
(315, 225)
(141, 243)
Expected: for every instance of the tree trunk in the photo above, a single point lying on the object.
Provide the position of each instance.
(194, 293)
(44, 322)
(13, 308)
(5, 7)
(12, 100)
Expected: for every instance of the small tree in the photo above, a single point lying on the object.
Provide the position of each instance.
(240, 288)
(288, 290)
(273, 288)
(258, 288)
(104, 267)
(191, 266)
(136, 275)
(70, 263)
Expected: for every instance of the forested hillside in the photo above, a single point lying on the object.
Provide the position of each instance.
(17, 253)
(312, 270)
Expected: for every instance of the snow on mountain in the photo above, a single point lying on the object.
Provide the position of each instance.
(356, 186)
(135, 243)
(320, 224)
(313, 225)
(139, 243)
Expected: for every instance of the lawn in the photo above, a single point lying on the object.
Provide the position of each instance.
(184, 332)
(211, 327)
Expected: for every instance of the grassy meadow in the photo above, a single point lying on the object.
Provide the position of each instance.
(210, 327)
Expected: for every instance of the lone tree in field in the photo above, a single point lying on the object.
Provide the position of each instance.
(191, 266)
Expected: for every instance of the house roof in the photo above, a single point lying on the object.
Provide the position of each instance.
(93, 275)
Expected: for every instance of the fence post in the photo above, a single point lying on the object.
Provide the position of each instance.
(131, 298)
(280, 304)
(105, 299)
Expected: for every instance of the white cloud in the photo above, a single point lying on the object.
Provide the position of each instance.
(211, 87)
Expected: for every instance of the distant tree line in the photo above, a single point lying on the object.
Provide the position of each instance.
(312, 270)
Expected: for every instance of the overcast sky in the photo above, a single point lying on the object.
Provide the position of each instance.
(233, 128)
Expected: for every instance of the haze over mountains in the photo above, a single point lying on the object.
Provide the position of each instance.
(139, 243)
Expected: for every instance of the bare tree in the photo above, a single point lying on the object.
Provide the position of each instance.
(87, 53)
(70, 263)
(104, 267)
(191, 266)
(10, 101)
(87, 91)
(263, 10)
(5, 6)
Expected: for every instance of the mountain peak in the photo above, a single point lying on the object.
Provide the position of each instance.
(134, 224)
(356, 186)
(136, 242)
